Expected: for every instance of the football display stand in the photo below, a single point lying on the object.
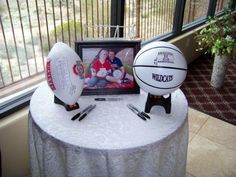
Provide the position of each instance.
(66, 106)
(153, 100)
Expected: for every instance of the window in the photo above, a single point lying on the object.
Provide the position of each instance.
(29, 28)
(195, 10)
(146, 19)
(220, 5)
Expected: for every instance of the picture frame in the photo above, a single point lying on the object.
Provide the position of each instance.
(104, 73)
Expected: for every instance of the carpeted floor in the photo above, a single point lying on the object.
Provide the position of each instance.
(220, 103)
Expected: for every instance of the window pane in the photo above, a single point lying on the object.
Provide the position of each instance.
(220, 5)
(147, 19)
(29, 28)
(194, 10)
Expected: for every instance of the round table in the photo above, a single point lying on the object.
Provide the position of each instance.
(111, 141)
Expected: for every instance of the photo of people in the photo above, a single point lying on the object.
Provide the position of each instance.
(108, 67)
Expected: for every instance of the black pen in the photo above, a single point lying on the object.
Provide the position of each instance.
(141, 112)
(83, 111)
(107, 99)
(86, 113)
(137, 113)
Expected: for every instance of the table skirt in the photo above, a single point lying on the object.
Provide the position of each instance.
(52, 158)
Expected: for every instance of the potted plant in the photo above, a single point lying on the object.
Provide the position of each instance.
(219, 39)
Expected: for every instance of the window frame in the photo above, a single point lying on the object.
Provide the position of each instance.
(17, 101)
(22, 98)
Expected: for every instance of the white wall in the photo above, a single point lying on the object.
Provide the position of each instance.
(14, 144)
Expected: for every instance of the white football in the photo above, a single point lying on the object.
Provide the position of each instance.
(65, 73)
(159, 68)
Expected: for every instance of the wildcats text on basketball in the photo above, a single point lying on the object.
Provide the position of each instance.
(162, 78)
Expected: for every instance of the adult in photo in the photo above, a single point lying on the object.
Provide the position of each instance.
(100, 67)
(118, 73)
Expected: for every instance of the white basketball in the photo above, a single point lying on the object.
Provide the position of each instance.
(65, 73)
(159, 68)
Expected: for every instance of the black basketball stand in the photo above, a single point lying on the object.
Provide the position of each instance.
(153, 100)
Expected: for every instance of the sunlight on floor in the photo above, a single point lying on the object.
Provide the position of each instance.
(212, 147)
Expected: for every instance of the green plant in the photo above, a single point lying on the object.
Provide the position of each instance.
(128, 69)
(219, 37)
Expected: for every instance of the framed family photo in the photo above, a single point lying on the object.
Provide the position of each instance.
(108, 66)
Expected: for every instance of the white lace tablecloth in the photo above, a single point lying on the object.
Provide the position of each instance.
(110, 142)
